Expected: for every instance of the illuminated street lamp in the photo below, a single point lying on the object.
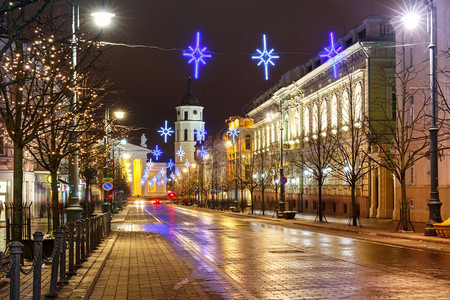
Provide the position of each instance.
(74, 209)
(411, 21)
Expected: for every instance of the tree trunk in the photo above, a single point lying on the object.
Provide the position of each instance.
(404, 206)
(55, 199)
(320, 202)
(353, 192)
(262, 203)
(17, 193)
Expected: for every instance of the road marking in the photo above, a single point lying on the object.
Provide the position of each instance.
(240, 289)
(157, 219)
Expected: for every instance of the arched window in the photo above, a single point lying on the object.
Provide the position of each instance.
(334, 111)
(358, 103)
(306, 121)
(345, 107)
(248, 142)
(185, 135)
(323, 115)
(315, 118)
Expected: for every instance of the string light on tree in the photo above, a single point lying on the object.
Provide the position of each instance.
(200, 134)
(166, 131)
(180, 153)
(156, 152)
(265, 57)
(170, 164)
(197, 54)
(332, 53)
(233, 133)
(202, 153)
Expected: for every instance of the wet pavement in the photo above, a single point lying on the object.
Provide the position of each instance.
(171, 252)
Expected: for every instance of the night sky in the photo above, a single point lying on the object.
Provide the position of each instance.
(153, 82)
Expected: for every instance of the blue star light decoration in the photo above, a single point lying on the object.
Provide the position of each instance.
(177, 171)
(180, 153)
(200, 134)
(197, 54)
(233, 133)
(265, 57)
(332, 53)
(170, 164)
(202, 153)
(166, 131)
(156, 152)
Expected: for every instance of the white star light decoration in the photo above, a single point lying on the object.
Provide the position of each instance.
(202, 153)
(170, 164)
(187, 164)
(156, 152)
(150, 164)
(332, 53)
(166, 131)
(180, 153)
(233, 133)
(265, 57)
(200, 134)
(197, 54)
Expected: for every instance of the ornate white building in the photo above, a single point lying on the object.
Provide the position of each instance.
(189, 121)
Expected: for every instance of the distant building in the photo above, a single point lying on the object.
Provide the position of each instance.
(189, 122)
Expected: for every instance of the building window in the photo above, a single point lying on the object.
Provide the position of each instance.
(185, 115)
(306, 121)
(248, 142)
(348, 42)
(345, 208)
(306, 204)
(185, 135)
(334, 107)
(358, 102)
(2, 145)
(362, 34)
(195, 111)
(394, 105)
(345, 108)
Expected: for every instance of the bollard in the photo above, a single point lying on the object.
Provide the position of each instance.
(71, 249)
(15, 248)
(83, 240)
(37, 272)
(55, 263)
(77, 245)
(88, 237)
(62, 269)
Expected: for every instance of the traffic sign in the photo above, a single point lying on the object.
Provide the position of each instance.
(115, 192)
(107, 179)
(107, 186)
(283, 180)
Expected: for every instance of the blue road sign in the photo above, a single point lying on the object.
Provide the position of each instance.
(107, 186)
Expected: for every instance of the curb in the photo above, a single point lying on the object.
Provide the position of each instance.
(369, 232)
(86, 285)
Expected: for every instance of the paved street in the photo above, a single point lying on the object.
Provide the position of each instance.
(170, 252)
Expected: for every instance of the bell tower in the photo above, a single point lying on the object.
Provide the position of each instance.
(189, 119)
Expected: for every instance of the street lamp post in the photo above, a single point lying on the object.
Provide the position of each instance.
(74, 210)
(434, 205)
(281, 204)
(234, 133)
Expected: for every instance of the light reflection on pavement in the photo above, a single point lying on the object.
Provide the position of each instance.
(271, 261)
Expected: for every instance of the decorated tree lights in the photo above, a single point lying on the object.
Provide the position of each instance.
(332, 53)
(265, 57)
(197, 55)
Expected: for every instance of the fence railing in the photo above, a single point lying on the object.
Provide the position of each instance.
(73, 243)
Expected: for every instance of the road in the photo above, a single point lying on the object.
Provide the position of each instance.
(224, 256)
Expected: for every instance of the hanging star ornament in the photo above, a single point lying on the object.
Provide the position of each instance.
(166, 131)
(187, 164)
(180, 153)
(197, 54)
(233, 133)
(150, 164)
(170, 164)
(156, 152)
(200, 134)
(332, 53)
(265, 57)
(202, 153)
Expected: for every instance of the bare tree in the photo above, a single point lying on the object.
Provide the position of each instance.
(350, 161)
(398, 131)
(319, 148)
(248, 175)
